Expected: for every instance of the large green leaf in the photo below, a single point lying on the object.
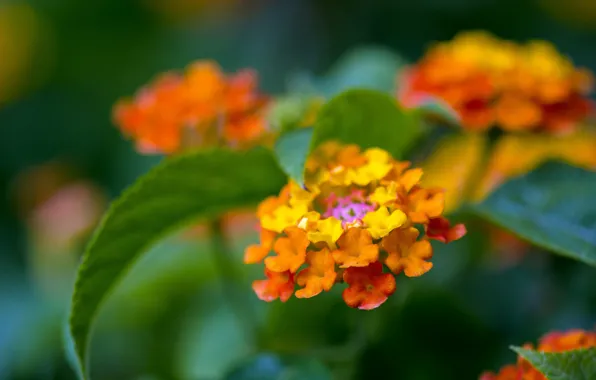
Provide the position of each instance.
(176, 192)
(291, 150)
(368, 118)
(552, 207)
(569, 365)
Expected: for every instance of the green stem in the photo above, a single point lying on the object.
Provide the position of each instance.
(232, 287)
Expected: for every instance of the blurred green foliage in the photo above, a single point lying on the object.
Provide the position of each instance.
(169, 319)
(555, 197)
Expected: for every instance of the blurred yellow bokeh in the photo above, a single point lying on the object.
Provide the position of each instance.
(576, 12)
(26, 48)
(180, 10)
(453, 165)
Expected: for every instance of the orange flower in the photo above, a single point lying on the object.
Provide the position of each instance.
(277, 285)
(368, 287)
(509, 372)
(509, 248)
(517, 112)
(552, 342)
(406, 254)
(564, 341)
(518, 88)
(355, 208)
(319, 276)
(200, 108)
(495, 82)
(426, 204)
(356, 249)
(257, 252)
(291, 251)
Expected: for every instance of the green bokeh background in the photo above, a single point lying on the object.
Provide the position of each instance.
(169, 319)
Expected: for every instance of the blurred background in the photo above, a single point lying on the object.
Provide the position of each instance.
(63, 64)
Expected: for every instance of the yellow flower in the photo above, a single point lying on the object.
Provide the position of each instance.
(379, 223)
(377, 167)
(309, 221)
(327, 231)
(300, 196)
(383, 195)
(283, 217)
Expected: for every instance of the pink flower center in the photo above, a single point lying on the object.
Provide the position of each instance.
(348, 209)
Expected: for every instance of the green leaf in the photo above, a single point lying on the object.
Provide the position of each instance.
(291, 150)
(273, 367)
(552, 207)
(435, 107)
(369, 67)
(178, 191)
(213, 340)
(569, 365)
(288, 113)
(368, 118)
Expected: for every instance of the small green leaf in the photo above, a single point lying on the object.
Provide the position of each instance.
(291, 150)
(568, 365)
(435, 107)
(288, 113)
(552, 207)
(273, 367)
(177, 192)
(369, 67)
(368, 118)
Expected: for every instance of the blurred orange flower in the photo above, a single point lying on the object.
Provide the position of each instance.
(530, 91)
(58, 208)
(493, 82)
(356, 212)
(552, 342)
(202, 107)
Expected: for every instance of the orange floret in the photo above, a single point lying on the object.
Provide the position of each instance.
(425, 204)
(440, 229)
(291, 251)
(320, 274)
(356, 212)
(407, 254)
(492, 82)
(509, 372)
(277, 285)
(356, 249)
(257, 252)
(368, 287)
(569, 340)
(202, 107)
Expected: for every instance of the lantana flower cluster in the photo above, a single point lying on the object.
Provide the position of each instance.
(491, 82)
(201, 107)
(360, 219)
(552, 342)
